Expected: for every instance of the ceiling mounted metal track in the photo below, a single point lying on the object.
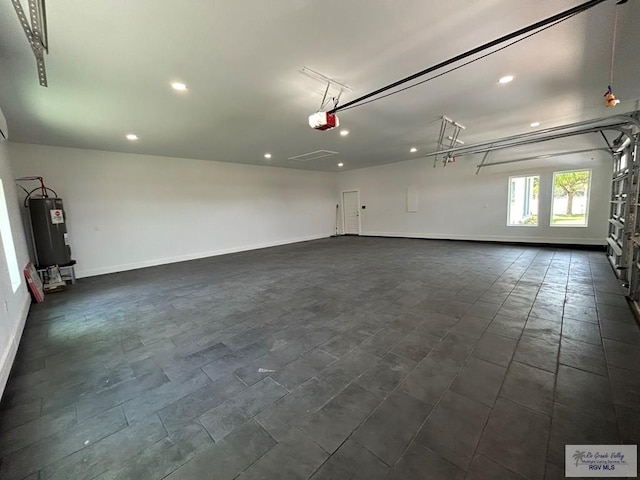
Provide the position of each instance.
(539, 157)
(36, 33)
(625, 124)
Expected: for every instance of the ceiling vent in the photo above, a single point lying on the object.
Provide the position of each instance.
(307, 157)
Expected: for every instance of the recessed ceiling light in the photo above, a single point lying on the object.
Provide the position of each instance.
(267, 156)
(535, 124)
(132, 136)
(506, 79)
(413, 150)
(341, 164)
(179, 86)
(344, 133)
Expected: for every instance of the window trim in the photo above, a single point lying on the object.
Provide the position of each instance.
(511, 177)
(553, 196)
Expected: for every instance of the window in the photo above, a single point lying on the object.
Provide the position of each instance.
(7, 242)
(523, 200)
(570, 198)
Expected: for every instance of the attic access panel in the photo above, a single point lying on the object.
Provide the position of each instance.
(307, 157)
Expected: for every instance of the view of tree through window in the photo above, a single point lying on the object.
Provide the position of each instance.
(570, 198)
(523, 200)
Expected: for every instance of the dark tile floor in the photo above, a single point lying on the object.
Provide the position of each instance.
(348, 358)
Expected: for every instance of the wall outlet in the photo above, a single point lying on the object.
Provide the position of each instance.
(6, 306)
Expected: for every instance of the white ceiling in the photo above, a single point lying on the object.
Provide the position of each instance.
(111, 63)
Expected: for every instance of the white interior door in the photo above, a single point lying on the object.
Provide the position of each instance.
(351, 213)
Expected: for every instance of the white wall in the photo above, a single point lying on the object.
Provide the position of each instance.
(13, 306)
(127, 211)
(454, 203)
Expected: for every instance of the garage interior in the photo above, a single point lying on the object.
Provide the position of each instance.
(444, 285)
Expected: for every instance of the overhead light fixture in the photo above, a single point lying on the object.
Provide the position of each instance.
(344, 133)
(132, 136)
(341, 164)
(413, 150)
(179, 86)
(267, 156)
(506, 79)
(535, 124)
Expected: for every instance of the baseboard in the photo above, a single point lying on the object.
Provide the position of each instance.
(579, 243)
(82, 273)
(6, 362)
(566, 242)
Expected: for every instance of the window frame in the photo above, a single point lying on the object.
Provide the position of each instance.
(587, 205)
(510, 194)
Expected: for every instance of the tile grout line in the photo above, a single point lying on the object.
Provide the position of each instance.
(505, 273)
(608, 369)
(484, 428)
(555, 383)
(412, 441)
(389, 394)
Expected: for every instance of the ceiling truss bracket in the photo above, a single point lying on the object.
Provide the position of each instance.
(609, 146)
(332, 91)
(36, 33)
(484, 159)
(448, 139)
